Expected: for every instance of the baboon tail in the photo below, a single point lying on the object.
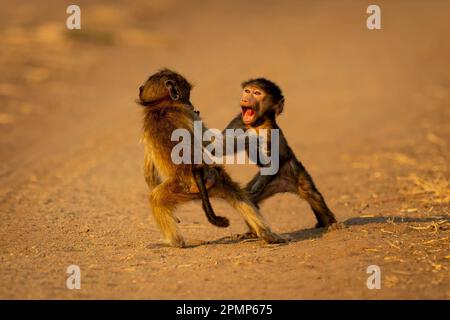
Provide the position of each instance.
(218, 221)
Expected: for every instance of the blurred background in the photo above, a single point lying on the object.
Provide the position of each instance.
(367, 112)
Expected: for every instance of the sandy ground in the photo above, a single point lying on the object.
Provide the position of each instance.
(367, 112)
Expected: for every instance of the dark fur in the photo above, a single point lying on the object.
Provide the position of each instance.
(292, 175)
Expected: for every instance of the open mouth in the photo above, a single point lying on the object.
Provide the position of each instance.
(248, 115)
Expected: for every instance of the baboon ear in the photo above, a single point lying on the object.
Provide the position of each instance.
(173, 90)
(279, 106)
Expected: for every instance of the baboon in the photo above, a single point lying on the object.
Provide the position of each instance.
(165, 98)
(262, 101)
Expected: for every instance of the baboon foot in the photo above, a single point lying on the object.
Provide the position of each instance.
(272, 237)
(336, 225)
(319, 225)
(248, 235)
(177, 242)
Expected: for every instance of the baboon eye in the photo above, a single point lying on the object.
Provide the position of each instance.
(247, 91)
(257, 93)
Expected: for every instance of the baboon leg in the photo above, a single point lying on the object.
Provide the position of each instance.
(239, 200)
(150, 173)
(268, 191)
(164, 201)
(308, 191)
(257, 185)
(282, 183)
(285, 181)
(248, 189)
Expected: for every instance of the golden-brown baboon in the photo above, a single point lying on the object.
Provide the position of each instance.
(165, 97)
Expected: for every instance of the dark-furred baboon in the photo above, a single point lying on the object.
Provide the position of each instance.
(262, 101)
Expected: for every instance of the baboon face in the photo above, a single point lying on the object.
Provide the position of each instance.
(252, 99)
(260, 97)
(165, 84)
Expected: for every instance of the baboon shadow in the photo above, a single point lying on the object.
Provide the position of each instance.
(234, 239)
(359, 221)
(316, 233)
(299, 235)
(310, 233)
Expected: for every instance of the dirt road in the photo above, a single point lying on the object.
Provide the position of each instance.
(367, 112)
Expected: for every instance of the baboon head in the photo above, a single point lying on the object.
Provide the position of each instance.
(165, 84)
(260, 97)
